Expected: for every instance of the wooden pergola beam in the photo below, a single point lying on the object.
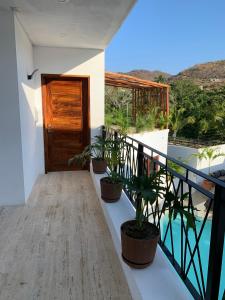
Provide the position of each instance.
(157, 94)
(127, 81)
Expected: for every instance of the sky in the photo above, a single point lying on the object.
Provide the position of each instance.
(168, 35)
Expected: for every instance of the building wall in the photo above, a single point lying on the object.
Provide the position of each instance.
(21, 120)
(71, 61)
(186, 154)
(11, 169)
(217, 164)
(67, 61)
(30, 132)
(157, 139)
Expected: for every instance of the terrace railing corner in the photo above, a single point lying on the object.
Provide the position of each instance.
(202, 278)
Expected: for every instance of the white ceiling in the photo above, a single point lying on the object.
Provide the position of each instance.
(78, 23)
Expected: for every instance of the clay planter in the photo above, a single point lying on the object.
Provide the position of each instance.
(99, 165)
(110, 192)
(207, 185)
(139, 252)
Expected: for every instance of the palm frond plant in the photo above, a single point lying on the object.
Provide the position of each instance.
(147, 121)
(209, 154)
(118, 119)
(162, 121)
(178, 121)
(111, 186)
(140, 237)
(95, 152)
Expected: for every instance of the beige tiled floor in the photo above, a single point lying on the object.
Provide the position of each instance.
(58, 246)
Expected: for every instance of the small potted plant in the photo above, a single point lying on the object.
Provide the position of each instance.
(111, 185)
(94, 152)
(209, 154)
(139, 237)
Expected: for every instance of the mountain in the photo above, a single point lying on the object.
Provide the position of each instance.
(148, 75)
(207, 75)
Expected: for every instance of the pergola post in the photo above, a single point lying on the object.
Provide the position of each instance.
(157, 94)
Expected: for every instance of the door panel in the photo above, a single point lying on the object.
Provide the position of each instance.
(66, 130)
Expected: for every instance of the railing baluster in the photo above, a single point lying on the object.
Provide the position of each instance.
(104, 137)
(140, 160)
(191, 260)
(216, 245)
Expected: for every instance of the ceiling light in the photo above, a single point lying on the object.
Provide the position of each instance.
(63, 1)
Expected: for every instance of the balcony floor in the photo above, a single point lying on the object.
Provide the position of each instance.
(58, 246)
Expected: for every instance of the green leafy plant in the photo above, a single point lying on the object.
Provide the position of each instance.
(162, 120)
(209, 154)
(178, 121)
(119, 119)
(146, 191)
(114, 158)
(94, 150)
(147, 121)
(177, 168)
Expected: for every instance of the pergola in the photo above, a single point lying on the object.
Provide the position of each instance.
(144, 92)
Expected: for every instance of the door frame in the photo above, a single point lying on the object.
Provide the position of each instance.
(44, 78)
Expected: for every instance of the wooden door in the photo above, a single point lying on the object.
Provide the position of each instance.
(66, 120)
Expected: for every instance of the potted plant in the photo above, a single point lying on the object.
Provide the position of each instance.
(209, 154)
(139, 237)
(111, 185)
(96, 152)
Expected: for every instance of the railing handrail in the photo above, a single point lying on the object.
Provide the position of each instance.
(210, 288)
(179, 163)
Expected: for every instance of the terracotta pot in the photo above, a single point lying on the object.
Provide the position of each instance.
(207, 185)
(110, 192)
(139, 253)
(99, 166)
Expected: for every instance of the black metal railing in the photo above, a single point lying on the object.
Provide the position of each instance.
(198, 264)
(197, 142)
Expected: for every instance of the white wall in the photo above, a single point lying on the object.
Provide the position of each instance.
(70, 61)
(85, 62)
(30, 132)
(157, 139)
(11, 169)
(186, 153)
(217, 164)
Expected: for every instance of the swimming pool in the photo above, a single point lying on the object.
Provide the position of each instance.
(204, 245)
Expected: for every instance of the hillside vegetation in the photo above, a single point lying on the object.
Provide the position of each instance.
(197, 102)
(148, 75)
(208, 75)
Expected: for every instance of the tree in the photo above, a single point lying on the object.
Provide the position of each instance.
(177, 120)
(200, 112)
(160, 78)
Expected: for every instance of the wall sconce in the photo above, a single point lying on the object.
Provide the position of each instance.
(29, 77)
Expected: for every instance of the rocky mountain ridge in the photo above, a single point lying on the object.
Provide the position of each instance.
(207, 75)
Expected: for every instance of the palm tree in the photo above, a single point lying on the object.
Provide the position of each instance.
(209, 154)
(177, 120)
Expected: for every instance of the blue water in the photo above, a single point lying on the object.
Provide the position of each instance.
(203, 246)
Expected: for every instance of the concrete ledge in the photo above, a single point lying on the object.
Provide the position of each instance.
(158, 281)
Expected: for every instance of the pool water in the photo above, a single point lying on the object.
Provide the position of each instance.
(203, 247)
